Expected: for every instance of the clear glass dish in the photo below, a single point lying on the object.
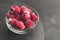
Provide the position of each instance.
(17, 31)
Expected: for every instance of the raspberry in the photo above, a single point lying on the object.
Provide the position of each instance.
(20, 25)
(18, 17)
(10, 16)
(12, 21)
(30, 10)
(29, 24)
(15, 9)
(26, 15)
(34, 17)
(23, 8)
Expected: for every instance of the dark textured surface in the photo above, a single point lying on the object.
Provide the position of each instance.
(6, 34)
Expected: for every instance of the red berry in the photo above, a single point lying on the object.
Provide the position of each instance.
(12, 21)
(15, 9)
(20, 25)
(29, 24)
(10, 16)
(34, 17)
(30, 10)
(26, 15)
(18, 17)
(23, 8)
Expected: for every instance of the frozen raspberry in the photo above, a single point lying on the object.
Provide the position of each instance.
(12, 21)
(26, 15)
(15, 9)
(29, 24)
(34, 17)
(10, 16)
(18, 17)
(23, 8)
(20, 25)
(30, 10)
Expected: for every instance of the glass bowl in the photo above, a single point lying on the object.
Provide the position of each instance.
(17, 31)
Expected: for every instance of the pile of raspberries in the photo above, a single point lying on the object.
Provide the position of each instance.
(21, 17)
